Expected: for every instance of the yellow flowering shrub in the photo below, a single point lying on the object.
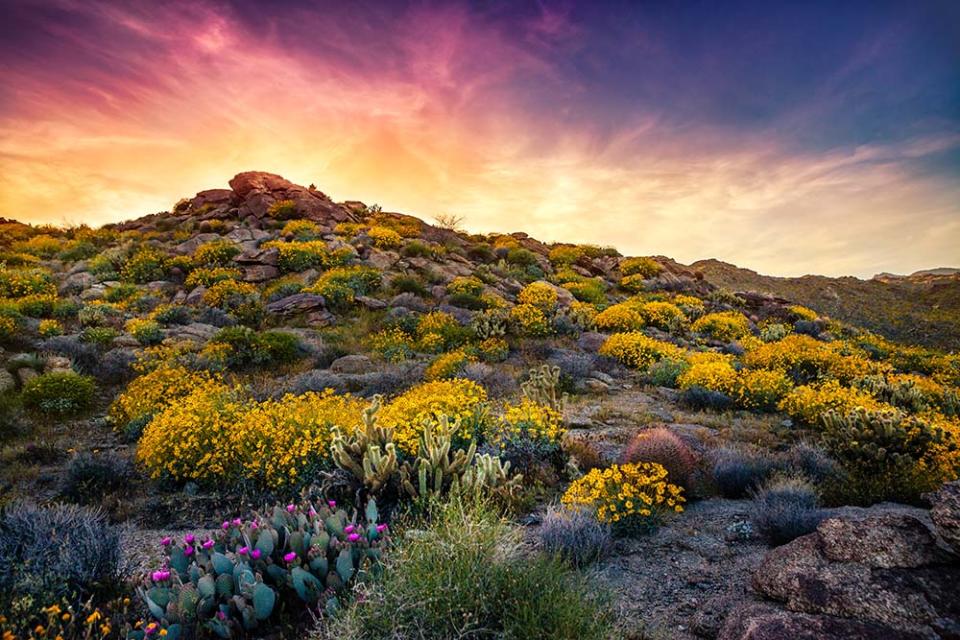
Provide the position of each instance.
(702, 357)
(50, 328)
(662, 314)
(637, 495)
(394, 344)
(458, 398)
(282, 442)
(221, 292)
(208, 276)
(301, 229)
(42, 246)
(803, 313)
(384, 238)
(540, 295)
(691, 305)
(493, 349)
(715, 376)
(191, 439)
(529, 320)
(16, 283)
(619, 317)
(637, 350)
(145, 330)
(282, 209)
(806, 359)
(761, 389)
(724, 325)
(8, 328)
(592, 290)
(808, 403)
(531, 419)
(216, 254)
(565, 254)
(633, 284)
(437, 329)
(465, 285)
(153, 391)
(300, 255)
(448, 365)
(645, 267)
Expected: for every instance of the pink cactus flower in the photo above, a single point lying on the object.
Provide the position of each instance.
(254, 525)
(189, 538)
(291, 508)
(290, 557)
(353, 537)
(225, 525)
(349, 528)
(243, 551)
(221, 615)
(237, 522)
(208, 544)
(188, 550)
(332, 504)
(167, 541)
(381, 528)
(255, 554)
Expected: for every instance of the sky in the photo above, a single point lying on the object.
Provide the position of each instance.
(793, 138)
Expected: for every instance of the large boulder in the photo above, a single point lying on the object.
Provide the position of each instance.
(764, 622)
(881, 567)
(297, 303)
(257, 191)
(945, 513)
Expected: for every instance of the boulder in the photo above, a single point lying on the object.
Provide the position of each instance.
(945, 513)
(591, 341)
(899, 578)
(260, 273)
(257, 191)
(296, 303)
(7, 381)
(353, 363)
(189, 246)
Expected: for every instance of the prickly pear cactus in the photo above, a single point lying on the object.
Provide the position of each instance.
(233, 582)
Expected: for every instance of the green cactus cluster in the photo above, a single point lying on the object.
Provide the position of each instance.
(880, 440)
(440, 468)
(490, 324)
(904, 394)
(542, 386)
(232, 583)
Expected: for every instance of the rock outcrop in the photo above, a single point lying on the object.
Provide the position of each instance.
(874, 574)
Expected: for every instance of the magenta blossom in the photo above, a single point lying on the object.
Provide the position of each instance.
(332, 504)
(189, 538)
(254, 525)
(208, 544)
(255, 554)
(290, 557)
(242, 551)
(313, 512)
(167, 541)
(225, 525)
(221, 615)
(160, 576)
(188, 550)
(291, 508)
(237, 522)
(349, 528)
(381, 528)
(353, 537)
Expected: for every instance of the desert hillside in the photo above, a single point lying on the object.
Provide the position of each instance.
(920, 308)
(264, 413)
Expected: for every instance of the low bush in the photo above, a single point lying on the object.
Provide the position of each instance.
(48, 553)
(574, 535)
(735, 471)
(249, 348)
(724, 326)
(785, 508)
(462, 577)
(88, 477)
(59, 393)
(701, 398)
(645, 267)
(637, 350)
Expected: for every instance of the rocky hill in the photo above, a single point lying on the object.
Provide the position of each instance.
(921, 308)
(309, 417)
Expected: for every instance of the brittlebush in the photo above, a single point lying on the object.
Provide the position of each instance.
(532, 420)
(808, 403)
(637, 350)
(426, 403)
(636, 495)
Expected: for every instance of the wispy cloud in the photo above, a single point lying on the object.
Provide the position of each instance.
(113, 110)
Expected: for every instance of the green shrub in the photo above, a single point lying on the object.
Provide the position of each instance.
(61, 393)
(145, 266)
(645, 267)
(218, 253)
(100, 336)
(121, 292)
(408, 284)
(251, 348)
(463, 577)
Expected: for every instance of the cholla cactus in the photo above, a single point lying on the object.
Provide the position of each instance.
(489, 324)
(881, 439)
(438, 469)
(542, 386)
(368, 453)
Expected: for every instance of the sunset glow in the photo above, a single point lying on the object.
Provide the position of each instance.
(786, 141)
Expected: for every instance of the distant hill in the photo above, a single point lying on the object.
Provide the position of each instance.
(921, 308)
